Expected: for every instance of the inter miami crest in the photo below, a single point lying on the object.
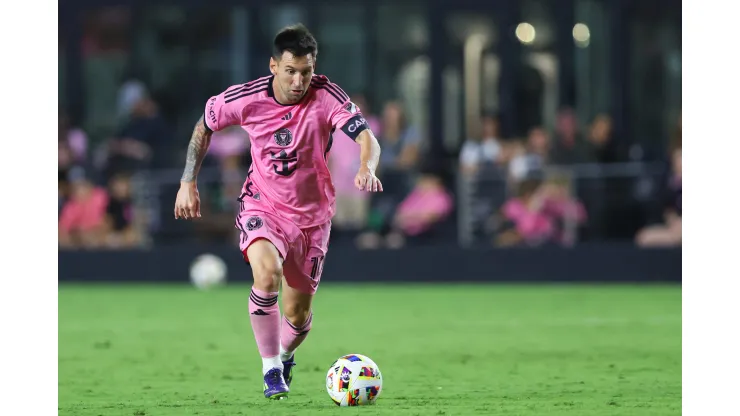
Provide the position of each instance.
(283, 137)
(254, 223)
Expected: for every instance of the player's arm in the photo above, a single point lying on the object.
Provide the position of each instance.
(220, 112)
(197, 149)
(345, 115)
(369, 159)
(187, 203)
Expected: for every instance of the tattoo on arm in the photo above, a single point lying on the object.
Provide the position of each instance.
(197, 150)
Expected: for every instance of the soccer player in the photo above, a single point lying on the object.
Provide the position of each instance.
(287, 200)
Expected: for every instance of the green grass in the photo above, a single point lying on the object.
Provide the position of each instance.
(443, 350)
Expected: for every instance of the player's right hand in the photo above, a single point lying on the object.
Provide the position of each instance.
(187, 203)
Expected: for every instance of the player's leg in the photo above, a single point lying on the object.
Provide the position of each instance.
(264, 313)
(263, 245)
(295, 325)
(302, 277)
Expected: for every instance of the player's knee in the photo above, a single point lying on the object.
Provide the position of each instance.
(297, 313)
(267, 274)
(267, 268)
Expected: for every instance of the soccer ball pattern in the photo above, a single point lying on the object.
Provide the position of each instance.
(354, 380)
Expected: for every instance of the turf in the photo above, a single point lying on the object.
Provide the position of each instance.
(443, 350)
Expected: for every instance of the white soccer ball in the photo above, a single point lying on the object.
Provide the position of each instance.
(207, 270)
(354, 380)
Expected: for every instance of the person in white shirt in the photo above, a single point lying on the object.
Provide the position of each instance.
(481, 150)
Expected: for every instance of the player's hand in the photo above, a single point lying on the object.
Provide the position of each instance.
(365, 180)
(187, 203)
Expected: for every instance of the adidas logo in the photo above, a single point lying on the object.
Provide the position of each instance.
(287, 116)
(260, 312)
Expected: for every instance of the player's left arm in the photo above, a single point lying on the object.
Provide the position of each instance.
(365, 180)
(345, 115)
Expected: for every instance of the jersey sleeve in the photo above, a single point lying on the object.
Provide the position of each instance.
(343, 113)
(226, 109)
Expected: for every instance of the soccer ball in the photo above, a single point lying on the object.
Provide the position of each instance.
(354, 380)
(207, 270)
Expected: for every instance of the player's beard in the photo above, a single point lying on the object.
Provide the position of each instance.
(294, 96)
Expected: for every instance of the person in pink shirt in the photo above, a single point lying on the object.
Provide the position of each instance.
(82, 220)
(540, 214)
(288, 198)
(529, 224)
(427, 205)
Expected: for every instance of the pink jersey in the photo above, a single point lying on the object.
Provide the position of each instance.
(421, 209)
(290, 143)
(533, 226)
(84, 214)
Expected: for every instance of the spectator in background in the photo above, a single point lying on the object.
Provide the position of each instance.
(531, 157)
(483, 149)
(82, 220)
(522, 221)
(73, 138)
(400, 144)
(669, 233)
(352, 205)
(231, 141)
(228, 147)
(603, 146)
(65, 163)
(143, 142)
(567, 212)
(510, 149)
(131, 91)
(227, 150)
(541, 213)
(417, 216)
(400, 141)
(120, 230)
(428, 204)
(569, 146)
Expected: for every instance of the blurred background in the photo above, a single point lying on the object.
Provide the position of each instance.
(509, 128)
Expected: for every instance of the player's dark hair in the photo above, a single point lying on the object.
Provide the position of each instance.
(295, 39)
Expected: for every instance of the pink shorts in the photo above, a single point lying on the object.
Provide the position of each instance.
(303, 250)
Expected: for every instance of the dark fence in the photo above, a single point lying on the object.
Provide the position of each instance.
(444, 264)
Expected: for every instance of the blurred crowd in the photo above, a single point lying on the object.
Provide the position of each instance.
(540, 205)
(103, 186)
(96, 203)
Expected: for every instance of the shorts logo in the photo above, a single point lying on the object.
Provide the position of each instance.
(254, 223)
(351, 107)
(283, 137)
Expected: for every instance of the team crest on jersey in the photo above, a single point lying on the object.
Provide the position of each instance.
(283, 137)
(351, 107)
(254, 223)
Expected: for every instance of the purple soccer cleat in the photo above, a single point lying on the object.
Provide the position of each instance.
(275, 387)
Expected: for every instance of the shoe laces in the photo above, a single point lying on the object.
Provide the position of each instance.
(274, 375)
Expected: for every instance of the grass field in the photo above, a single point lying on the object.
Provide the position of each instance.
(443, 350)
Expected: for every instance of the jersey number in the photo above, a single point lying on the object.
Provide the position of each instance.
(318, 266)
